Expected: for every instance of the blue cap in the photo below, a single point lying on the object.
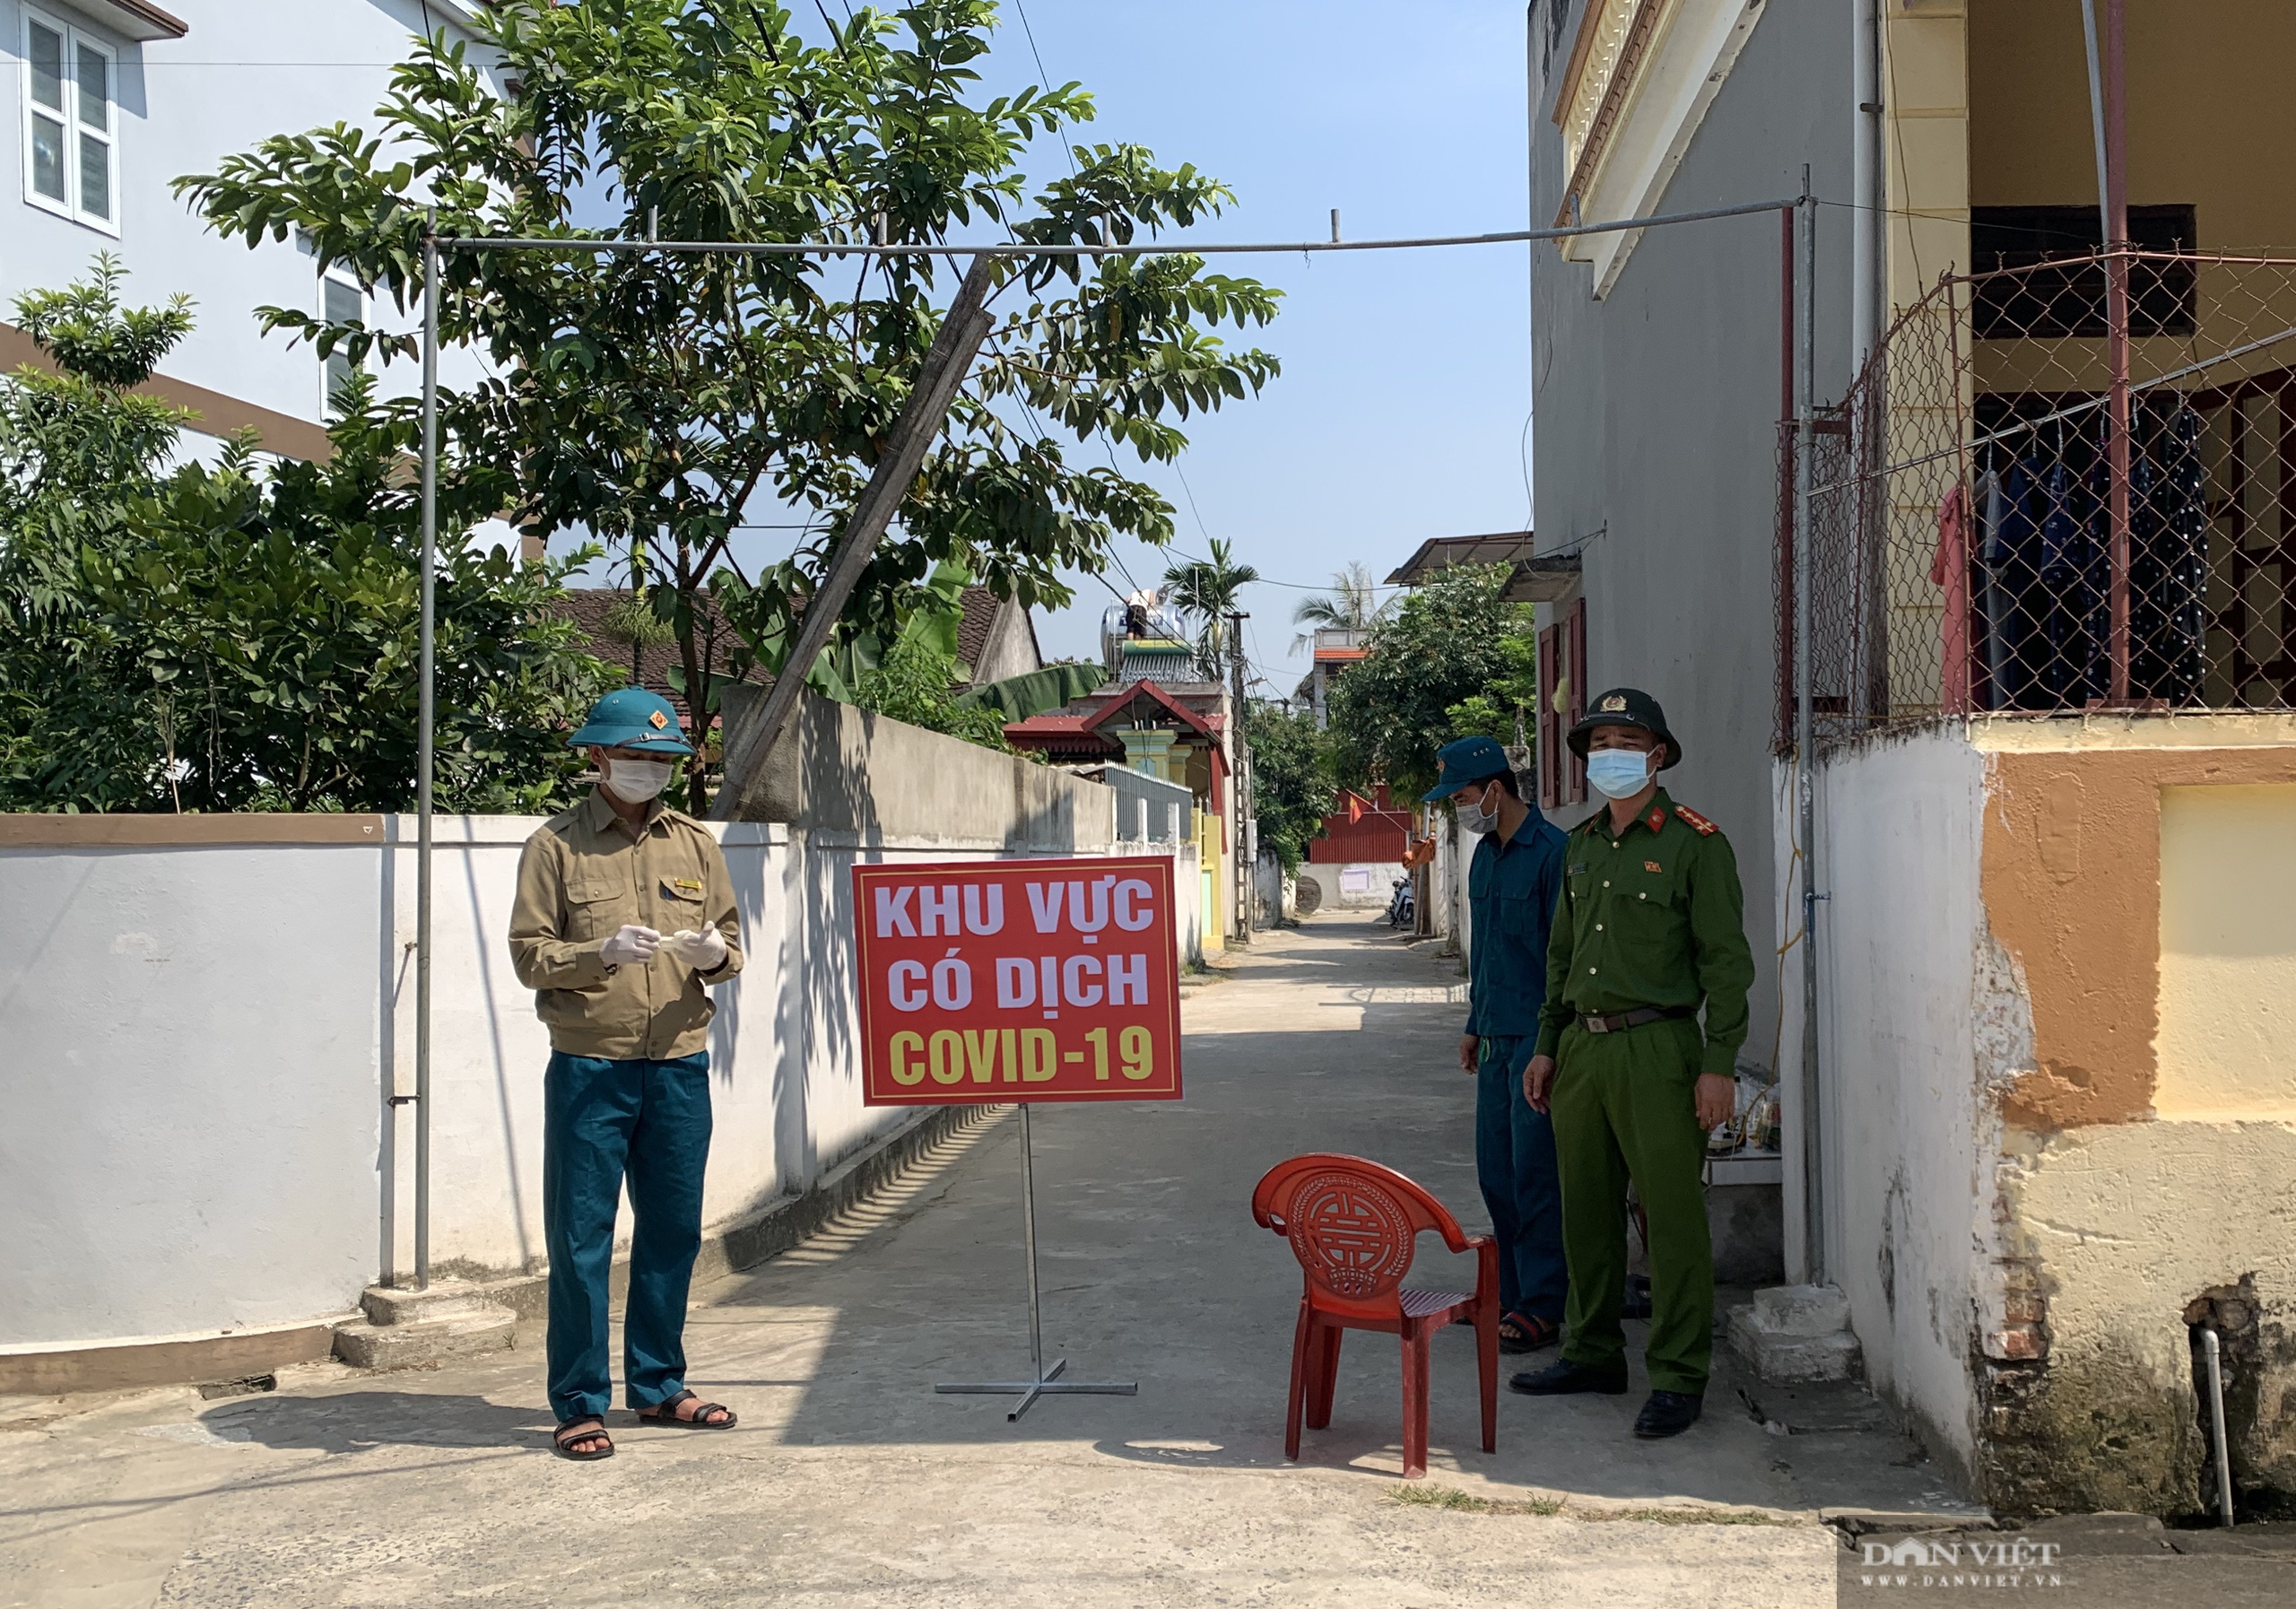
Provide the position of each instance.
(633, 719)
(1466, 762)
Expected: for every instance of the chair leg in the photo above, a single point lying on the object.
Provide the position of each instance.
(1303, 1338)
(1486, 1363)
(1326, 1374)
(1414, 1401)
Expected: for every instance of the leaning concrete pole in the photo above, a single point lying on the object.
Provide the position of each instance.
(426, 745)
(946, 360)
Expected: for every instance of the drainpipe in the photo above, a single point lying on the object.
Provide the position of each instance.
(1806, 804)
(1869, 263)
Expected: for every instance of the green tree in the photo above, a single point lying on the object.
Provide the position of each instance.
(1352, 604)
(1291, 789)
(1208, 590)
(650, 398)
(1449, 643)
(242, 638)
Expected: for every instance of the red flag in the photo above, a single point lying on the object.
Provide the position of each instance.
(1354, 808)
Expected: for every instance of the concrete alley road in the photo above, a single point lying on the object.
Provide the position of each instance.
(849, 1482)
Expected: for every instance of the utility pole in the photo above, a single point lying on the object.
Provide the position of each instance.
(959, 338)
(1239, 780)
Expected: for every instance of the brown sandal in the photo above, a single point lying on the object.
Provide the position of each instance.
(664, 1413)
(563, 1438)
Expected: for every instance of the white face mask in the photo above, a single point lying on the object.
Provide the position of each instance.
(1475, 818)
(635, 781)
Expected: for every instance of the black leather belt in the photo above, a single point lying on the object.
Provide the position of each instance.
(1636, 1018)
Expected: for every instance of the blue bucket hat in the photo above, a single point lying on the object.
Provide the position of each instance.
(1467, 761)
(633, 719)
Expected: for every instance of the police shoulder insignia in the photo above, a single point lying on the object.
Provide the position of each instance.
(1704, 828)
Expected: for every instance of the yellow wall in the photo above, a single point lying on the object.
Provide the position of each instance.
(2227, 1041)
(2208, 112)
(1925, 91)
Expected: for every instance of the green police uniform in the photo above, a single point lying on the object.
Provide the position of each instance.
(1650, 917)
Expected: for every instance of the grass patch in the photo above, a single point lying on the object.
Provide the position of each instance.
(1453, 1501)
(1463, 1502)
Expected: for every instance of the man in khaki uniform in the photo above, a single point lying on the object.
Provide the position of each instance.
(624, 914)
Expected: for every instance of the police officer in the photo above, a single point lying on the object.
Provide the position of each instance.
(1512, 884)
(1650, 928)
(624, 914)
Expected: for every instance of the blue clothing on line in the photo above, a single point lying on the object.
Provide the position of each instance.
(605, 1121)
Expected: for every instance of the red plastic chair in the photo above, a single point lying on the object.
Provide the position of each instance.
(1354, 1225)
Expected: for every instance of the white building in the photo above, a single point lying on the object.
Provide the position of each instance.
(109, 101)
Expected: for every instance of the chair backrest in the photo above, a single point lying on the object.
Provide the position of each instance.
(1352, 1225)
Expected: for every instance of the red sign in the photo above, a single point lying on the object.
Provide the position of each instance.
(996, 981)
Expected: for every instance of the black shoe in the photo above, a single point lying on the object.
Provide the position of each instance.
(1668, 1414)
(1563, 1378)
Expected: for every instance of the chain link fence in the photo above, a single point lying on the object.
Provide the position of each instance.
(2018, 508)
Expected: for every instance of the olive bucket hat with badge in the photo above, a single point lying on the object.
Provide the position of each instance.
(1626, 706)
(631, 718)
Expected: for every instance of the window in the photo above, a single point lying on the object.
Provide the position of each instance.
(1562, 674)
(70, 122)
(2048, 300)
(340, 302)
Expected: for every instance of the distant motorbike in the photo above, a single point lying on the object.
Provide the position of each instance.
(1402, 910)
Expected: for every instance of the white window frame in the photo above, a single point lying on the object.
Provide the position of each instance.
(75, 131)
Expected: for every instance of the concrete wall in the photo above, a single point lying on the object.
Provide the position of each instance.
(212, 1012)
(1907, 1140)
(1656, 444)
(2060, 1114)
(1332, 879)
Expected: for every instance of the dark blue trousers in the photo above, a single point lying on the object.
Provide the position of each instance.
(1514, 1160)
(603, 1122)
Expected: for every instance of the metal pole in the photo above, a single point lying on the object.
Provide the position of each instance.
(1042, 1381)
(2096, 115)
(1028, 1232)
(424, 751)
(2117, 266)
(2210, 1345)
(1806, 777)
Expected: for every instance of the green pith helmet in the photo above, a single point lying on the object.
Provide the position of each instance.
(1626, 706)
(632, 718)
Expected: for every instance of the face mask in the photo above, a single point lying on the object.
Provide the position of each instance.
(635, 781)
(1618, 773)
(1473, 818)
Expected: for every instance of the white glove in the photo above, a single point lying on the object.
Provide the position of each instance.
(704, 951)
(629, 945)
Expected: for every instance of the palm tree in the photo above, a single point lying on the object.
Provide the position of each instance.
(1207, 588)
(1352, 606)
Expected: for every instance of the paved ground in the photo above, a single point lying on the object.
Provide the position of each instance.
(851, 1483)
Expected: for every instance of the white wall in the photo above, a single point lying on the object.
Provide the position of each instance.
(1909, 997)
(202, 1039)
(1377, 877)
(190, 1083)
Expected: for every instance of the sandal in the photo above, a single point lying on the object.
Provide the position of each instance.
(1520, 1333)
(589, 1428)
(665, 1412)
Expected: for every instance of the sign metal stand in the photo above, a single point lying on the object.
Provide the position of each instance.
(1047, 1381)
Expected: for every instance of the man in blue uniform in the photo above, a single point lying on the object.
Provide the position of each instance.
(1512, 885)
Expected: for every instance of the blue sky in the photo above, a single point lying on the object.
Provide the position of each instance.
(1401, 411)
